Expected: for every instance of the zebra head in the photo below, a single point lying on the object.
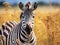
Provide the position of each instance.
(27, 16)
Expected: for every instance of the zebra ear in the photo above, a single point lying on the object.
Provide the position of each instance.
(21, 5)
(34, 6)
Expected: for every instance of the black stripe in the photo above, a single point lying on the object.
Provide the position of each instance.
(21, 15)
(6, 40)
(0, 32)
(28, 29)
(7, 29)
(5, 34)
(12, 23)
(3, 27)
(23, 32)
(8, 24)
(22, 40)
(31, 40)
(17, 34)
(23, 36)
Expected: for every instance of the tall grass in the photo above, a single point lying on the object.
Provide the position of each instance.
(47, 20)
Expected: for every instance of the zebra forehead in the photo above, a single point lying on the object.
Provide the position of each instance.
(27, 13)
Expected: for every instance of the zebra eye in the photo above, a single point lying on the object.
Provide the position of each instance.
(22, 16)
(23, 25)
(23, 22)
(32, 23)
(33, 15)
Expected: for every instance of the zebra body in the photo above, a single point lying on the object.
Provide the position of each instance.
(5, 31)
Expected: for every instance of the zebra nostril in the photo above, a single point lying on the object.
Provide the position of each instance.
(23, 22)
(33, 16)
(28, 27)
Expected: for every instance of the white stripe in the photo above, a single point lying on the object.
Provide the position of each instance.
(23, 38)
(23, 30)
(3, 24)
(15, 23)
(9, 23)
(24, 34)
(9, 28)
(6, 32)
(33, 34)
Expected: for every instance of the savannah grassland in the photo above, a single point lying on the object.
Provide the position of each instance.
(47, 23)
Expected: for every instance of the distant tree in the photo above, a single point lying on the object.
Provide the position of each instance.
(6, 4)
(55, 4)
(42, 3)
(1, 3)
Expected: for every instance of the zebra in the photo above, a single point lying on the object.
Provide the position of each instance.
(23, 30)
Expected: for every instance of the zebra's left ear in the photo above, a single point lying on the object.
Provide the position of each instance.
(21, 6)
(34, 6)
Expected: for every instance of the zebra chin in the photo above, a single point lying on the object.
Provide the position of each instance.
(28, 29)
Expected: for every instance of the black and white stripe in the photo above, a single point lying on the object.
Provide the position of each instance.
(6, 29)
(27, 38)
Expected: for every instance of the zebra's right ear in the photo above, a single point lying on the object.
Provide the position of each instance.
(21, 6)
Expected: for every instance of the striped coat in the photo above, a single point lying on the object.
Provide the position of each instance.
(11, 35)
(5, 31)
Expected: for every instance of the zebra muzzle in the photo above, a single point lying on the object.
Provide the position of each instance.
(28, 29)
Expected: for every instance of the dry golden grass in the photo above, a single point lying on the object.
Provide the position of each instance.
(47, 21)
